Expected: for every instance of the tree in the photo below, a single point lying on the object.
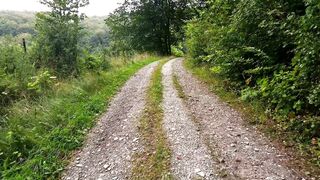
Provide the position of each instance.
(58, 35)
(150, 25)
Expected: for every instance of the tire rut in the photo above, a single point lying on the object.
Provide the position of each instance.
(244, 152)
(190, 157)
(107, 153)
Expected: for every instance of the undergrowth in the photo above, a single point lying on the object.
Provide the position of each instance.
(37, 137)
(154, 162)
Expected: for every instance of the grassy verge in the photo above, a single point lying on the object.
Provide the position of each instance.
(154, 162)
(38, 136)
(254, 113)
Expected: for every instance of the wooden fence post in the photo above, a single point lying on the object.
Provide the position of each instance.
(24, 45)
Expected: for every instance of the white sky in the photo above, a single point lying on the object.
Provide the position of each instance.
(95, 8)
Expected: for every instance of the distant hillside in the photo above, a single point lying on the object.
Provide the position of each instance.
(95, 32)
(15, 23)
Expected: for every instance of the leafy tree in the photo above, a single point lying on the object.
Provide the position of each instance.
(58, 35)
(152, 26)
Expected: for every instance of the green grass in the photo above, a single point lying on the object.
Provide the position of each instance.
(254, 113)
(154, 162)
(178, 87)
(38, 137)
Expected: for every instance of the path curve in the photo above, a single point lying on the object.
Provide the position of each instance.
(110, 145)
(244, 152)
(190, 157)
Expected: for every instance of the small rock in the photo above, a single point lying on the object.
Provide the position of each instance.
(233, 145)
(201, 174)
(238, 160)
(135, 139)
(221, 160)
(116, 138)
(79, 165)
(256, 150)
(106, 166)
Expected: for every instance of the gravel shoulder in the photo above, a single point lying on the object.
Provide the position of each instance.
(107, 153)
(243, 152)
(190, 156)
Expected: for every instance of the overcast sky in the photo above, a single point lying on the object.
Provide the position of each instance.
(96, 7)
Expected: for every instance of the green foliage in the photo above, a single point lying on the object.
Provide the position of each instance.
(15, 72)
(266, 51)
(177, 50)
(94, 62)
(58, 36)
(151, 26)
(43, 81)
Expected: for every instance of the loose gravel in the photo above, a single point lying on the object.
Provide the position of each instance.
(190, 157)
(108, 151)
(244, 152)
(208, 139)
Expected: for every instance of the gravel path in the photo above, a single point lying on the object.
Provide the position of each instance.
(190, 157)
(111, 144)
(243, 152)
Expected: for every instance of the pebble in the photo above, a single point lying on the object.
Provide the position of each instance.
(233, 145)
(201, 174)
(79, 165)
(106, 166)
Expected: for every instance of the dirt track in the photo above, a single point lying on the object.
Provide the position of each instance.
(207, 138)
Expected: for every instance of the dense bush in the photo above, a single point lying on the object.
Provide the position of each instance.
(267, 51)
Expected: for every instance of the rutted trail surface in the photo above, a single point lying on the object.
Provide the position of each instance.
(110, 145)
(190, 157)
(243, 152)
(207, 139)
